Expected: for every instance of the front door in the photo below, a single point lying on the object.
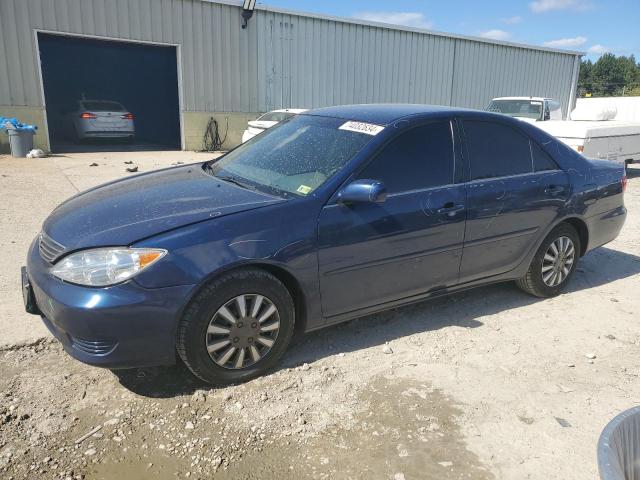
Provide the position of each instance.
(369, 253)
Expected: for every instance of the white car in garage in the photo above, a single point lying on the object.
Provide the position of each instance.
(268, 120)
(99, 119)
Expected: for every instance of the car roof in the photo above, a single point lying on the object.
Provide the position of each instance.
(289, 110)
(384, 113)
(523, 98)
(98, 100)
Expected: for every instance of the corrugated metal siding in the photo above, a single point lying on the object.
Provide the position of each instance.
(283, 59)
(484, 71)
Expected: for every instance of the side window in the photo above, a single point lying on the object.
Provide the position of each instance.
(541, 159)
(556, 111)
(417, 159)
(496, 150)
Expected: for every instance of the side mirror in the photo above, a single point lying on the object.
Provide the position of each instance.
(363, 191)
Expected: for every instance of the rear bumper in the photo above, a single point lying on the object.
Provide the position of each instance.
(124, 326)
(108, 134)
(605, 227)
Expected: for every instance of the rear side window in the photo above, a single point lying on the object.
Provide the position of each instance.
(496, 150)
(541, 159)
(417, 159)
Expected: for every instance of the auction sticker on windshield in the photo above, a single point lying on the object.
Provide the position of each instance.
(361, 127)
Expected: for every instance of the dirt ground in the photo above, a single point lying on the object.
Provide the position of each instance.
(486, 384)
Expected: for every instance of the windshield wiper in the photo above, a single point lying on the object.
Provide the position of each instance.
(237, 182)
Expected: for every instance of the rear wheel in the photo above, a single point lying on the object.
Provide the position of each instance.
(237, 327)
(553, 264)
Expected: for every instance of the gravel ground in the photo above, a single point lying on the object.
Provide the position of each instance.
(485, 384)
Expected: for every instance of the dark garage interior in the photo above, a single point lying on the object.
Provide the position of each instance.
(142, 78)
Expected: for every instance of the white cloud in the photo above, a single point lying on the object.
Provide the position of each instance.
(495, 34)
(511, 20)
(408, 19)
(540, 6)
(598, 49)
(566, 42)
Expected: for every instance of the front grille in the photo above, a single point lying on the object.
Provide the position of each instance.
(93, 347)
(50, 250)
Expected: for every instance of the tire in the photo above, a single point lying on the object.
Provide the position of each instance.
(203, 346)
(545, 285)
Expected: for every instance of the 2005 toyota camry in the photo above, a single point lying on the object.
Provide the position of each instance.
(333, 214)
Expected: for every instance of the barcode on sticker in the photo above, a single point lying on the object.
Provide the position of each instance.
(361, 127)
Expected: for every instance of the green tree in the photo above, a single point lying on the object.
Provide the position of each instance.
(609, 76)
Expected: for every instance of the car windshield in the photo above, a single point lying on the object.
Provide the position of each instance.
(517, 108)
(103, 106)
(275, 116)
(294, 157)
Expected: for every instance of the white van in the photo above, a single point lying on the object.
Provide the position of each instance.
(607, 139)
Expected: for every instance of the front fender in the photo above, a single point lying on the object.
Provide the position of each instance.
(269, 237)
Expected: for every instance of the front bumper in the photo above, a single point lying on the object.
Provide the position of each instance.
(123, 326)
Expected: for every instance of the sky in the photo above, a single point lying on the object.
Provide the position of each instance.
(590, 26)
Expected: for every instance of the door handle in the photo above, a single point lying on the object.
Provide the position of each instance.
(554, 189)
(450, 208)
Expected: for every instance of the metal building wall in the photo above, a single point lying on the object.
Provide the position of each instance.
(283, 59)
(310, 61)
(217, 56)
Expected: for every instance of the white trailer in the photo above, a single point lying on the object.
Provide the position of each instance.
(627, 109)
(609, 139)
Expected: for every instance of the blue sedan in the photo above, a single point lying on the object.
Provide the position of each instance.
(336, 213)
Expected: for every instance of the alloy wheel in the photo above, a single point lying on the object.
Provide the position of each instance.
(242, 331)
(558, 261)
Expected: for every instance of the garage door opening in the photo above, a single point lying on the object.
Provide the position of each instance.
(109, 95)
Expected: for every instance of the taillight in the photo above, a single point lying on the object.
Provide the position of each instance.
(88, 115)
(624, 183)
(127, 116)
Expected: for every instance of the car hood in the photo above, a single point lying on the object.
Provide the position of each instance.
(128, 210)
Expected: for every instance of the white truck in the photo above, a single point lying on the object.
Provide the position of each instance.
(529, 109)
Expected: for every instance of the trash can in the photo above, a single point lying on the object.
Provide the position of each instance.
(619, 447)
(21, 141)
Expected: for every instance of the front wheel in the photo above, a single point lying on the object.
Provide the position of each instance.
(237, 327)
(553, 264)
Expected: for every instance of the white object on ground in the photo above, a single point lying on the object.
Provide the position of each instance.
(36, 153)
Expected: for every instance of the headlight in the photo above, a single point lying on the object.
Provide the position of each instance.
(100, 267)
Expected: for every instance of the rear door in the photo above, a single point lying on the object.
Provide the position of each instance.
(370, 254)
(515, 191)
